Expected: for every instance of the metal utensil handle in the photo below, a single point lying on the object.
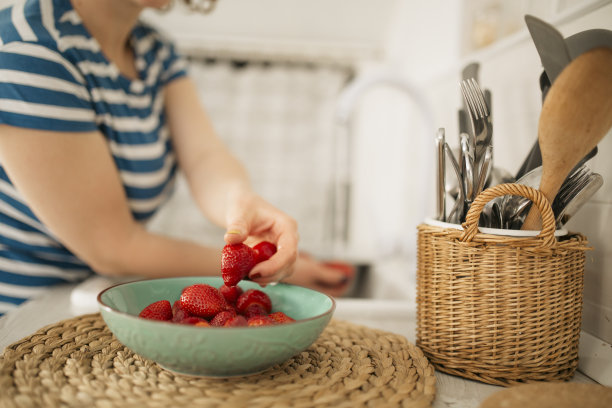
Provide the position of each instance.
(546, 235)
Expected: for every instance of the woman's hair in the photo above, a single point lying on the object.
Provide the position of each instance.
(202, 6)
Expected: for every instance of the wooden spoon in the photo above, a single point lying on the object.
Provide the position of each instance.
(576, 115)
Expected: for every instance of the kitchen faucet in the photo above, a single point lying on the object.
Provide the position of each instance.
(342, 166)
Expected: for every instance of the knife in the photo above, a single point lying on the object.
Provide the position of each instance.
(554, 54)
(550, 44)
(441, 176)
(587, 40)
(566, 49)
(467, 174)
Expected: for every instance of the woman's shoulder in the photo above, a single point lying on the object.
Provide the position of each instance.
(28, 25)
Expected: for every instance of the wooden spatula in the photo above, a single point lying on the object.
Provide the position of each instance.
(576, 115)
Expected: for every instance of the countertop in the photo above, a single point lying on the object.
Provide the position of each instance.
(397, 316)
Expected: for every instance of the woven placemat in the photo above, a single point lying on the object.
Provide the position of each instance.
(78, 362)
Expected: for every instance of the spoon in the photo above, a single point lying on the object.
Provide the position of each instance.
(576, 115)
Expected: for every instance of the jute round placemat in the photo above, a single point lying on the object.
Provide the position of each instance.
(79, 363)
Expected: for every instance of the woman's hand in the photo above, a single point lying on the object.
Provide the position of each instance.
(313, 274)
(220, 185)
(251, 219)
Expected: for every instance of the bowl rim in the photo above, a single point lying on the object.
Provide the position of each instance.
(108, 308)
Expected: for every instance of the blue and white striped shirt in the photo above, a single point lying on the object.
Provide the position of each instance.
(53, 76)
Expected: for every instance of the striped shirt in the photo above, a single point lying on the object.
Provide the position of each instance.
(54, 77)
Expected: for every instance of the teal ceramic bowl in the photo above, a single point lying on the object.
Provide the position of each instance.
(213, 351)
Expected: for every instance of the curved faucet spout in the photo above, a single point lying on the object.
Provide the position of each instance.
(352, 93)
(344, 110)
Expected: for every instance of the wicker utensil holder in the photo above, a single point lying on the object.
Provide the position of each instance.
(500, 309)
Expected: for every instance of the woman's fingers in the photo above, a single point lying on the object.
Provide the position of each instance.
(280, 265)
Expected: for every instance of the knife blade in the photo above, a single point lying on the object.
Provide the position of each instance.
(550, 44)
(554, 54)
(587, 40)
(441, 176)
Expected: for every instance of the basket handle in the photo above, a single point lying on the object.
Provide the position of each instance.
(546, 235)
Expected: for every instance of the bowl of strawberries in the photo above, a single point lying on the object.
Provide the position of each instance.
(201, 326)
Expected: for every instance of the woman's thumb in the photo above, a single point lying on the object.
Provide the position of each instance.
(236, 232)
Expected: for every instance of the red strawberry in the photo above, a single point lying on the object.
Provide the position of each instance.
(253, 296)
(160, 310)
(193, 320)
(202, 300)
(176, 306)
(280, 318)
(230, 293)
(263, 251)
(222, 317)
(254, 309)
(237, 260)
(178, 313)
(236, 321)
(260, 321)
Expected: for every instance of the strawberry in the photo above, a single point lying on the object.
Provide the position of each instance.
(202, 300)
(237, 260)
(160, 310)
(254, 309)
(203, 323)
(253, 296)
(263, 251)
(236, 321)
(230, 293)
(280, 318)
(178, 313)
(262, 320)
(193, 321)
(222, 317)
(176, 306)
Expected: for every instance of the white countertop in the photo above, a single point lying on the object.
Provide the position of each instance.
(397, 316)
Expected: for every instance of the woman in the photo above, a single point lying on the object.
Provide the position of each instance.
(97, 114)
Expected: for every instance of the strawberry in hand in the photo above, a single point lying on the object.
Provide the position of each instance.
(237, 260)
(263, 251)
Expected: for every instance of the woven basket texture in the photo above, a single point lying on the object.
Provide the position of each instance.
(498, 309)
(79, 363)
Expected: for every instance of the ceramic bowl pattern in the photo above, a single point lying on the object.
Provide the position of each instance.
(213, 351)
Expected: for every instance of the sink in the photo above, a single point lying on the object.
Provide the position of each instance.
(360, 287)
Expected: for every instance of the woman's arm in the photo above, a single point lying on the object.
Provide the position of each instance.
(71, 183)
(221, 187)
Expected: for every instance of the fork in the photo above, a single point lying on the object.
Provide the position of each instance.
(480, 117)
